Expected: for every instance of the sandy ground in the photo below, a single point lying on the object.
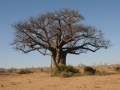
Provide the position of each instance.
(42, 81)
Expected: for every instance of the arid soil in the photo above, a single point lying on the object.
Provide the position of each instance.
(42, 81)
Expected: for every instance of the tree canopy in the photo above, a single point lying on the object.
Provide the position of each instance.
(60, 32)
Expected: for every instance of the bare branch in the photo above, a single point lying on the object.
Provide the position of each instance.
(60, 31)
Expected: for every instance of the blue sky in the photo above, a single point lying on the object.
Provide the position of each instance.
(103, 14)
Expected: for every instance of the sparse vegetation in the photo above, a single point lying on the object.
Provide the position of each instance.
(67, 71)
(11, 70)
(2, 70)
(117, 68)
(25, 71)
(101, 72)
(89, 71)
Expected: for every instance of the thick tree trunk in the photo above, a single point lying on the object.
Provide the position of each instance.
(59, 58)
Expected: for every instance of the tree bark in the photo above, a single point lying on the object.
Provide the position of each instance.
(59, 58)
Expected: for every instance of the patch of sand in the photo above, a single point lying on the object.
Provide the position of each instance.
(42, 81)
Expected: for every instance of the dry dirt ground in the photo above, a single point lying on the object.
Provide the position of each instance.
(42, 81)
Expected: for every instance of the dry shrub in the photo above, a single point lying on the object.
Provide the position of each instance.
(117, 68)
(25, 71)
(101, 72)
(2, 70)
(89, 71)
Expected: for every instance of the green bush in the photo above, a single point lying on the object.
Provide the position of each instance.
(89, 71)
(70, 68)
(25, 71)
(117, 68)
(65, 71)
(65, 74)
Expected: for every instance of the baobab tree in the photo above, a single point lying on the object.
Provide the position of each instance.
(57, 34)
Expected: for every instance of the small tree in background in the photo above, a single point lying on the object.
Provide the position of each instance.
(57, 34)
